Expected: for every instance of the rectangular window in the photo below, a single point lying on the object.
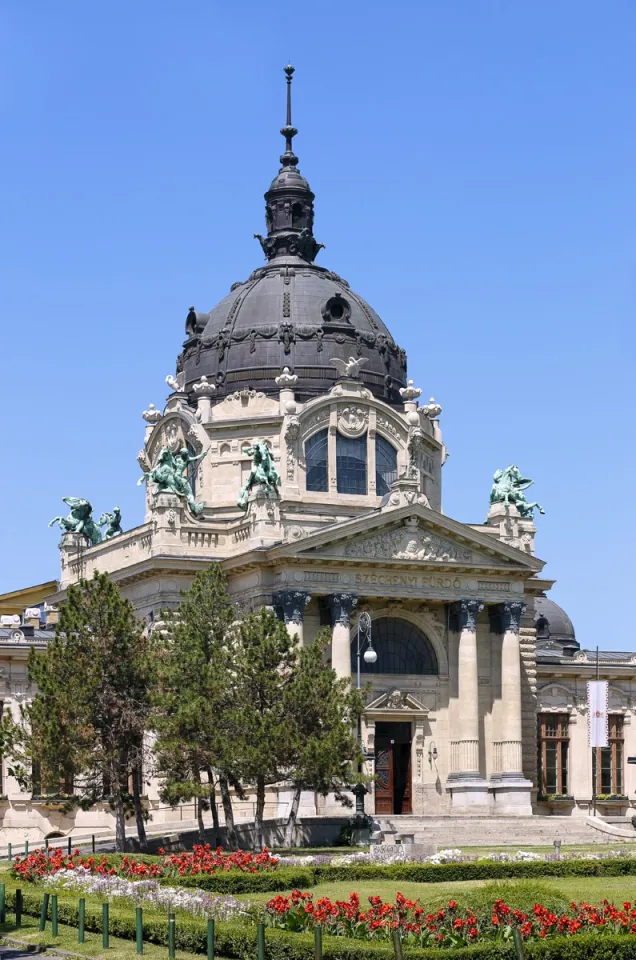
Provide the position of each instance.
(351, 464)
(553, 745)
(607, 762)
(316, 462)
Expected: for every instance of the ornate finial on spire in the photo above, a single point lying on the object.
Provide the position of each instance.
(289, 202)
(289, 159)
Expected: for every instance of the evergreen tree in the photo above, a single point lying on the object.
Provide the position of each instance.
(193, 745)
(322, 713)
(84, 729)
(264, 665)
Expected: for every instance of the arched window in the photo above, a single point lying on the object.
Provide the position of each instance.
(351, 464)
(401, 648)
(385, 465)
(316, 461)
(298, 214)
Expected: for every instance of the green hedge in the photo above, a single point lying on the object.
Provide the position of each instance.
(238, 941)
(235, 881)
(288, 878)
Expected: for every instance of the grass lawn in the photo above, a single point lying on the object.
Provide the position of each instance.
(559, 889)
(67, 940)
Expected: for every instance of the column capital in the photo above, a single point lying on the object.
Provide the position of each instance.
(511, 614)
(341, 606)
(464, 614)
(292, 603)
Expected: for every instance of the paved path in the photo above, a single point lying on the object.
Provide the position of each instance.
(21, 953)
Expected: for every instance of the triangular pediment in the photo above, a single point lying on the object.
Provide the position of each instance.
(412, 535)
(395, 701)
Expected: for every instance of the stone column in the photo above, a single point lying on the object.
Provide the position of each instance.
(511, 789)
(341, 606)
(293, 603)
(468, 788)
(512, 611)
(465, 748)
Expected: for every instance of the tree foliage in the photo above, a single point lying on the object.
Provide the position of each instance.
(84, 729)
(193, 696)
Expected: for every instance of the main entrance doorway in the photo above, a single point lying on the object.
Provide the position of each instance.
(393, 768)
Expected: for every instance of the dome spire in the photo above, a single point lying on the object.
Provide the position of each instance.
(289, 202)
(289, 159)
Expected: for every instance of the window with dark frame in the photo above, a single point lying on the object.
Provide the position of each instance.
(607, 762)
(351, 464)
(553, 744)
(316, 460)
(385, 465)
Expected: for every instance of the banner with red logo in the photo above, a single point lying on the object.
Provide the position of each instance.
(597, 712)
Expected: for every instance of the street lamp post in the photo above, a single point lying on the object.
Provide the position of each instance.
(361, 822)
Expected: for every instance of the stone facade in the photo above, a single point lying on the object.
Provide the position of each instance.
(295, 360)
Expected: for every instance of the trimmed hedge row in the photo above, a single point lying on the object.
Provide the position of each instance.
(235, 881)
(239, 941)
(288, 878)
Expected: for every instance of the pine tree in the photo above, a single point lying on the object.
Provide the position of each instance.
(264, 664)
(84, 729)
(194, 696)
(322, 713)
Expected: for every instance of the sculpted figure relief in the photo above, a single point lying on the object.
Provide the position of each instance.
(263, 472)
(509, 487)
(407, 543)
(168, 475)
(79, 520)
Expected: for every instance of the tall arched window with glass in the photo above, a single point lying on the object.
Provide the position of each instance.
(316, 461)
(351, 464)
(385, 465)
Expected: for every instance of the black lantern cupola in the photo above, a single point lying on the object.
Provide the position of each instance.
(289, 202)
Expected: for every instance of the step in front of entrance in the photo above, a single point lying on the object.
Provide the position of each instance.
(486, 831)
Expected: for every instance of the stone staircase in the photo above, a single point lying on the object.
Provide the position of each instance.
(469, 831)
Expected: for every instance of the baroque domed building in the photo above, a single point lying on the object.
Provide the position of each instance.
(294, 450)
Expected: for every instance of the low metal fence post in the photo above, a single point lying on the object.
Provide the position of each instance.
(44, 912)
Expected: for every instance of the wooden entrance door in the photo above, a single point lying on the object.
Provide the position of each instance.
(393, 768)
(384, 775)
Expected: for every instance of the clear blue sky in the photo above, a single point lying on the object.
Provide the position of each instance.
(473, 163)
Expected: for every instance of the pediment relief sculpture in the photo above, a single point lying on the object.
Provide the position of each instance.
(396, 699)
(409, 543)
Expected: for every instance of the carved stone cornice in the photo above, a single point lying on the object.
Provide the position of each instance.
(464, 614)
(292, 603)
(341, 606)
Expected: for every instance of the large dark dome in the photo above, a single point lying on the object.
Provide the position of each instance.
(296, 314)
(291, 312)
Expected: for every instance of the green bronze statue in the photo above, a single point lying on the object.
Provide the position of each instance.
(263, 472)
(168, 474)
(509, 486)
(112, 522)
(80, 520)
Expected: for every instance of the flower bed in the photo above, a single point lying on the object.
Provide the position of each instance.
(146, 893)
(447, 926)
(202, 860)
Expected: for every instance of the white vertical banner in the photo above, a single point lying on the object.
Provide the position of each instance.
(597, 712)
